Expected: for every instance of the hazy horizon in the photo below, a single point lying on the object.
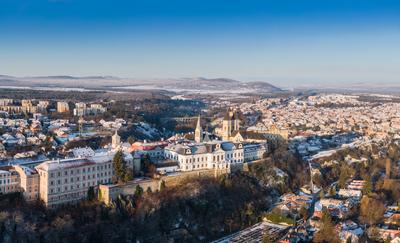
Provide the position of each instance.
(286, 42)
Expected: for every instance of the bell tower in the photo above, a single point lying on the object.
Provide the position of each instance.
(115, 140)
(198, 133)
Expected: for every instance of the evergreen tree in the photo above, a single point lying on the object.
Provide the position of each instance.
(162, 186)
(342, 178)
(371, 210)
(138, 191)
(327, 232)
(332, 191)
(367, 189)
(128, 176)
(321, 194)
(131, 140)
(122, 172)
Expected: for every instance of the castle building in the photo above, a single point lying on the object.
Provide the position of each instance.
(236, 147)
(211, 155)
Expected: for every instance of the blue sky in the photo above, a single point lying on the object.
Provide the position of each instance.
(283, 41)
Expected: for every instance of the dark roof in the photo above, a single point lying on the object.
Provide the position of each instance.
(167, 163)
(6, 167)
(227, 117)
(250, 135)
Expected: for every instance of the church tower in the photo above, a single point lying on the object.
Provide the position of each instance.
(236, 121)
(115, 140)
(227, 126)
(198, 133)
(230, 124)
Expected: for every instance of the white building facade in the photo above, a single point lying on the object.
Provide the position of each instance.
(212, 155)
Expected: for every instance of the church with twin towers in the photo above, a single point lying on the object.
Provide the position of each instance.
(230, 126)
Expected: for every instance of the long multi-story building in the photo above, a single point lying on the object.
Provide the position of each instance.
(80, 109)
(68, 180)
(96, 109)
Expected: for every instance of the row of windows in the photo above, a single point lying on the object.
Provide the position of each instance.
(84, 170)
(78, 186)
(215, 158)
(78, 178)
(5, 181)
(194, 167)
(71, 187)
(170, 156)
(7, 188)
(70, 196)
(229, 156)
(30, 189)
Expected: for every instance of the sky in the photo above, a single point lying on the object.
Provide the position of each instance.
(287, 42)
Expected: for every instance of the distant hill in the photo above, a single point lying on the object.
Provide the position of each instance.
(217, 85)
(199, 84)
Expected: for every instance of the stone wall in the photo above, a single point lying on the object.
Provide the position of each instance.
(107, 193)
